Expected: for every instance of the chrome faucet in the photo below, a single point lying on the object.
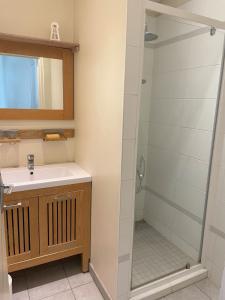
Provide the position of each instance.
(30, 162)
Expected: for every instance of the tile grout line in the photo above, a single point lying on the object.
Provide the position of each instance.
(59, 294)
(65, 277)
(203, 291)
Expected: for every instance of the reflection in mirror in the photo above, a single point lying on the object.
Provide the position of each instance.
(31, 82)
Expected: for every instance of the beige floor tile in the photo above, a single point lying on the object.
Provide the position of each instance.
(19, 286)
(23, 295)
(207, 287)
(43, 283)
(74, 274)
(87, 292)
(68, 295)
(189, 293)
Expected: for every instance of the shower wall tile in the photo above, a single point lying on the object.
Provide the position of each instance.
(187, 230)
(190, 53)
(132, 77)
(198, 113)
(195, 143)
(196, 83)
(124, 280)
(130, 116)
(190, 198)
(128, 159)
(148, 63)
(125, 237)
(166, 111)
(156, 208)
(139, 205)
(129, 149)
(193, 172)
(127, 197)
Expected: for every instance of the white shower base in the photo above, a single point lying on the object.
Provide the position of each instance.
(155, 257)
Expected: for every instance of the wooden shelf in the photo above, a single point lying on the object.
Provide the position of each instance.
(25, 39)
(9, 141)
(41, 133)
(15, 136)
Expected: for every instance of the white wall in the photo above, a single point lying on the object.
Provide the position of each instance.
(99, 88)
(33, 18)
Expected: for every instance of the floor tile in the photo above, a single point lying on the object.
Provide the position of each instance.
(19, 287)
(207, 287)
(189, 293)
(68, 295)
(43, 283)
(74, 273)
(23, 295)
(87, 292)
(19, 283)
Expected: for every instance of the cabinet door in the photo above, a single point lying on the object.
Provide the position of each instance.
(21, 230)
(60, 219)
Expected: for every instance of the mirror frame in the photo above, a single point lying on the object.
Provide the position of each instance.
(48, 49)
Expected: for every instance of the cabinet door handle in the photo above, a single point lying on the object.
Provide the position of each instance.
(12, 205)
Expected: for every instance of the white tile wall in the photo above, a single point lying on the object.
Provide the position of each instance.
(131, 103)
(128, 159)
(130, 116)
(183, 102)
(132, 79)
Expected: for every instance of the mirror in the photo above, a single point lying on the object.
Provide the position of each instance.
(36, 79)
(31, 82)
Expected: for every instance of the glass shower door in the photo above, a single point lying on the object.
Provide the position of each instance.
(181, 81)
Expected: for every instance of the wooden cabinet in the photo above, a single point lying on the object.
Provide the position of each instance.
(47, 224)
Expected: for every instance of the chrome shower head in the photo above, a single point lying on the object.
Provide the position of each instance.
(150, 37)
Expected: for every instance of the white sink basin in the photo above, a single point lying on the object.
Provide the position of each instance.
(44, 176)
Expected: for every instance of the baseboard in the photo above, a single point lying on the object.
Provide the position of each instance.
(99, 283)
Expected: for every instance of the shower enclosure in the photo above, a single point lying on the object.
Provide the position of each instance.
(182, 70)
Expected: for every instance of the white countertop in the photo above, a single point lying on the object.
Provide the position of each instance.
(44, 176)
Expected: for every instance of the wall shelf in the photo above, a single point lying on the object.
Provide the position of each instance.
(15, 136)
(25, 39)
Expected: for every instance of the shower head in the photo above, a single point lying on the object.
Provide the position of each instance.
(150, 37)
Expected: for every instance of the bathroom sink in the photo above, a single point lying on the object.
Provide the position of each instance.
(44, 176)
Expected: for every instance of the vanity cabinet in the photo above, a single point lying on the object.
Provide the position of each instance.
(47, 224)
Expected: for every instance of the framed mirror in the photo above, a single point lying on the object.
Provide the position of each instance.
(36, 80)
